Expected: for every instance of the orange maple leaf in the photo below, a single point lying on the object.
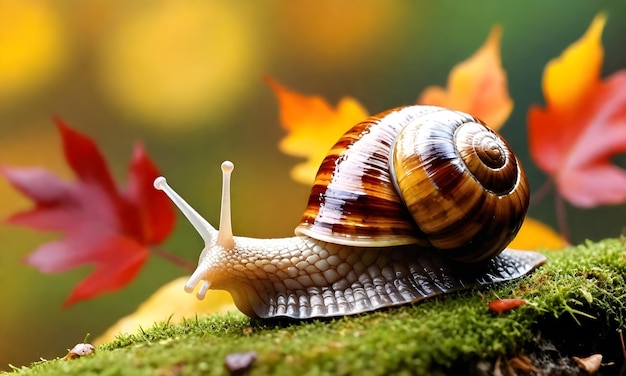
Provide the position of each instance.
(313, 127)
(583, 125)
(536, 235)
(477, 86)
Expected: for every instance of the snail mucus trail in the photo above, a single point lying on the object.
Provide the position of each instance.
(347, 257)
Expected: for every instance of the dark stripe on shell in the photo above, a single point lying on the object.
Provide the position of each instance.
(353, 199)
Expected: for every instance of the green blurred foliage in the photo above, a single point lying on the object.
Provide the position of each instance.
(185, 77)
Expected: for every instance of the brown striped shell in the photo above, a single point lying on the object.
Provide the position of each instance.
(419, 175)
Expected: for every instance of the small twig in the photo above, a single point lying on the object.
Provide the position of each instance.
(541, 193)
(623, 368)
(621, 338)
(174, 259)
(561, 218)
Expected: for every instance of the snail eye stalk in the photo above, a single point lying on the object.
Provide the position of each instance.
(203, 227)
(225, 234)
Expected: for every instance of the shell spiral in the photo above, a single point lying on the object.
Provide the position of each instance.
(419, 175)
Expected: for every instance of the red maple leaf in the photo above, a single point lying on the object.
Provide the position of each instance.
(583, 125)
(103, 225)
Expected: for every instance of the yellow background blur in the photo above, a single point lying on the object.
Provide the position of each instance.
(185, 77)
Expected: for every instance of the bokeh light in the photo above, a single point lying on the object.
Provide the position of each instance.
(175, 64)
(33, 48)
(337, 33)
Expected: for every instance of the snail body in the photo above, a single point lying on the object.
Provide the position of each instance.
(414, 202)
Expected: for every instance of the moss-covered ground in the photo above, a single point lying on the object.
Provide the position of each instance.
(576, 307)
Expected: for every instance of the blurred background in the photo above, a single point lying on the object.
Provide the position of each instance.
(186, 78)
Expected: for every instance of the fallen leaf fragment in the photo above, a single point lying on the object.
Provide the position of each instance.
(477, 86)
(79, 350)
(313, 127)
(239, 362)
(504, 305)
(521, 363)
(590, 364)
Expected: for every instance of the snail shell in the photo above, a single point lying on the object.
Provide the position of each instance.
(419, 175)
(400, 207)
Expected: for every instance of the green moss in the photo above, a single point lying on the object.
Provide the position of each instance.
(581, 291)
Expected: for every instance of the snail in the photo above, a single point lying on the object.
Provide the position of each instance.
(411, 203)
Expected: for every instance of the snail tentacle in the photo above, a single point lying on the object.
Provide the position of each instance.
(204, 228)
(222, 239)
(225, 234)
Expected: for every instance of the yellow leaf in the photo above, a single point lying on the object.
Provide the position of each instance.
(536, 235)
(568, 78)
(477, 86)
(313, 127)
(169, 302)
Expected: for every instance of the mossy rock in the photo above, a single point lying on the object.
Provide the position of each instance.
(576, 307)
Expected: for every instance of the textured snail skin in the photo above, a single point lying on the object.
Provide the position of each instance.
(302, 278)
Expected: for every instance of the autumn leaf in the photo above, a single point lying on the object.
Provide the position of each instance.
(583, 125)
(103, 225)
(313, 127)
(477, 86)
(536, 235)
